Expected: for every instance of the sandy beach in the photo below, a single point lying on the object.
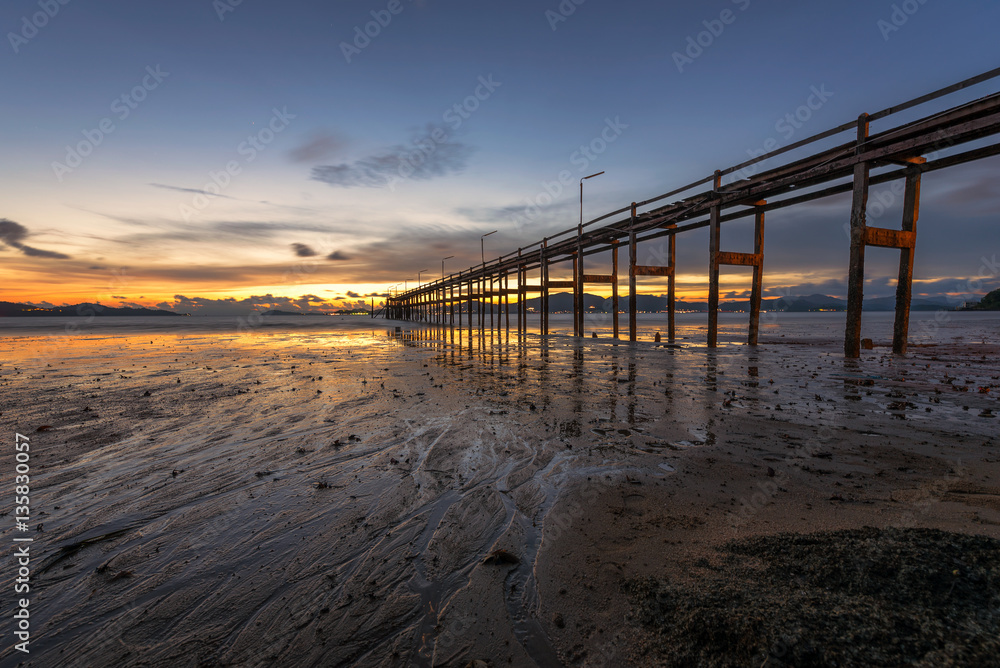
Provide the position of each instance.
(302, 498)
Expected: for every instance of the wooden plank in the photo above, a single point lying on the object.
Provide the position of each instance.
(883, 238)
(739, 259)
(640, 270)
(904, 286)
(598, 278)
(559, 285)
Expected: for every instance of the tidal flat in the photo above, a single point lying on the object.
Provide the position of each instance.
(426, 497)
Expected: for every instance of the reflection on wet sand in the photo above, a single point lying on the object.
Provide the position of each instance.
(307, 498)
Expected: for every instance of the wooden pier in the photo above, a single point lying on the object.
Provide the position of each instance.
(904, 151)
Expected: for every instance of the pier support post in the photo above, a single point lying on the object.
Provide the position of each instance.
(713, 270)
(904, 286)
(632, 324)
(578, 293)
(671, 285)
(856, 272)
(521, 309)
(614, 286)
(469, 306)
(492, 281)
(578, 285)
(506, 299)
(545, 288)
(756, 291)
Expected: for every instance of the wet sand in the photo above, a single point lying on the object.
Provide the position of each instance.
(310, 498)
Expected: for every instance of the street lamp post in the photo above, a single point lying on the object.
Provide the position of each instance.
(442, 265)
(482, 245)
(578, 297)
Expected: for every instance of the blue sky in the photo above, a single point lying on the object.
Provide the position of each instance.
(133, 227)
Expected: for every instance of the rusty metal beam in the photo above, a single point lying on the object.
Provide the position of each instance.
(879, 236)
(739, 259)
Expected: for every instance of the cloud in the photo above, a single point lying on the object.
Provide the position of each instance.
(337, 255)
(530, 221)
(303, 250)
(318, 147)
(353, 295)
(158, 233)
(119, 297)
(196, 191)
(199, 191)
(429, 156)
(13, 234)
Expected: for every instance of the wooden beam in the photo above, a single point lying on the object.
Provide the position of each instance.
(560, 285)
(598, 278)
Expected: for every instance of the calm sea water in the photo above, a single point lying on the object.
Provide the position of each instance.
(926, 327)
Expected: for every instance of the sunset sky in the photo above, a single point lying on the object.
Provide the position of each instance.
(218, 156)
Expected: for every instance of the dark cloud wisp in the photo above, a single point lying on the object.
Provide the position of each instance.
(13, 235)
(318, 147)
(432, 155)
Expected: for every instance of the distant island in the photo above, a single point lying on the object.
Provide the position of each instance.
(11, 310)
(991, 302)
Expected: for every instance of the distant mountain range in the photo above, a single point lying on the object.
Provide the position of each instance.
(558, 302)
(11, 310)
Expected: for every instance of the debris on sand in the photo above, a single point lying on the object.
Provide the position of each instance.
(858, 597)
(500, 557)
